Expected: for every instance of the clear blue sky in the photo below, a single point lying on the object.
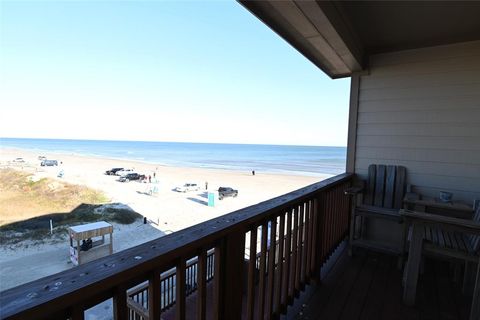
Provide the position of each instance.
(163, 71)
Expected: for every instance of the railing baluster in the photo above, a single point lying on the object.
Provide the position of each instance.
(217, 278)
(288, 252)
(330, 225)
(306, 246)
(271, 265)
(170, 291)
(202, 285)
(298, 268)
(261, 282)
(312, 226)
(323, 228)
(251, 273)
(293, 261)
(162, 291)
(180, 289)
(337, 222)
(154, 298)
(281, 251)
(315, 247)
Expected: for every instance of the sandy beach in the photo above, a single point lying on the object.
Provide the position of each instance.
(168, 210)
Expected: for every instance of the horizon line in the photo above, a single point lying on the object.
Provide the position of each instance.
(232, 143)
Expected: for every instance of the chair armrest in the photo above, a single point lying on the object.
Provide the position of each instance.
(378, 212)
(352, 191)
(444, 222)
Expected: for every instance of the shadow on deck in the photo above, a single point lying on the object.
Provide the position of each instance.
(369, 286)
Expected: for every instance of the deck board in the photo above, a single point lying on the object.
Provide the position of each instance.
(376, 296)
(369, 286)
(446, 302)
(360, 290)
(339, 297)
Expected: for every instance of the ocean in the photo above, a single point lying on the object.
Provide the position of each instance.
(299, 160)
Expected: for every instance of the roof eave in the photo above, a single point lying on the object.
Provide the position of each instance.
(307, 28)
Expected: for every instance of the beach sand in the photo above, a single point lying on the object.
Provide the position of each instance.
(168, 210)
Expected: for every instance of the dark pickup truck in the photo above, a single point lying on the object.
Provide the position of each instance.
(131, 176)
(226, 192)
(112, 171)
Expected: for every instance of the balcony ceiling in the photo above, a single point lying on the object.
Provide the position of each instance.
(339, 36)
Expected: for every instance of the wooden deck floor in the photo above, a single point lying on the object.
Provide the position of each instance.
(368, 286)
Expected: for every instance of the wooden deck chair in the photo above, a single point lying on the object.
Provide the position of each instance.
(383, 193)
(445, 237)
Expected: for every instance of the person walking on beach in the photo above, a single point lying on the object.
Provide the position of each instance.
(253, 172)
(206, 185)
(149, 179)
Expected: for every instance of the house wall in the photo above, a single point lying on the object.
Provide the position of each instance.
(421, 109)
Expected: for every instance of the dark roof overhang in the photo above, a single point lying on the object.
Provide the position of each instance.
(339, 36)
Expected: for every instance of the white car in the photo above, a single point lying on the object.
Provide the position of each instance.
(188, 187)
(124, 172)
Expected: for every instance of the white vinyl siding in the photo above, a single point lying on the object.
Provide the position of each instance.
(421, 109)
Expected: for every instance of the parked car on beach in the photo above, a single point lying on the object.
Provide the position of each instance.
(131, 177)
(188, 187)
(112, 171)
(19, 160)
(123, 172)
(49, 163)
(226, 192)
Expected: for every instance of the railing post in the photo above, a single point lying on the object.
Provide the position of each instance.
(180, 290)
(251, 273)
(78, 313)
(120, 310)
(229, 281)
(154, 296)
(202, 285)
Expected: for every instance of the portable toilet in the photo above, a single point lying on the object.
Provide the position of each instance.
(212, 198)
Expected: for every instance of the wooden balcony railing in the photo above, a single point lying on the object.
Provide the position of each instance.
(137, 300)
(291, 237)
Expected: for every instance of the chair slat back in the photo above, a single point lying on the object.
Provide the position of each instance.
(385, 186)
(475, 239)
(379, 186)
(400, 186)
(388, 200)
(370, 188)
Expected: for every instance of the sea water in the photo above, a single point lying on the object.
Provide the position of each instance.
(300, 160)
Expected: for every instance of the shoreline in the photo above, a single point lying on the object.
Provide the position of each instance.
(330, 166)
(139, 162)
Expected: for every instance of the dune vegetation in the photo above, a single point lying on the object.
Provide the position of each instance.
(27, 204)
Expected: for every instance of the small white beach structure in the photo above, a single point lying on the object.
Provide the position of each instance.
(87, 242)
